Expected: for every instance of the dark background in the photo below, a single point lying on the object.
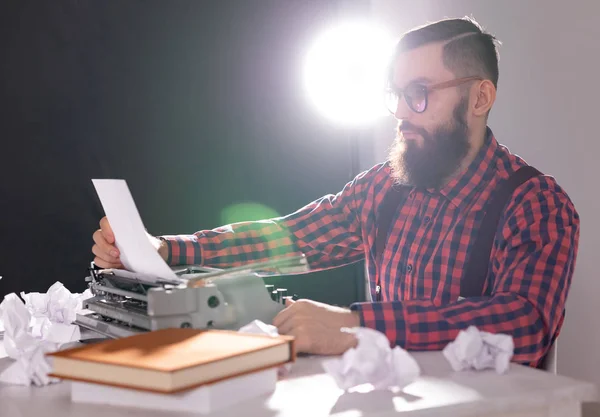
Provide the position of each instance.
(199, 105)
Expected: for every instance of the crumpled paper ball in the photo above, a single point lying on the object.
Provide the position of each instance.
(478, 350)
(58, 305)
(53, 312)
(41, 325)
(373, 362)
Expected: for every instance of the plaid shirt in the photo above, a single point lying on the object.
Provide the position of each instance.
(531, 264)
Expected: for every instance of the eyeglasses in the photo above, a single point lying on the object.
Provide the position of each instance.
(417, 95)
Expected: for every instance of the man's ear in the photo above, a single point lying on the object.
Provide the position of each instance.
(484, 97)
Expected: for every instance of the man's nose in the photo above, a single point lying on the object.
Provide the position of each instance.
(402, 110)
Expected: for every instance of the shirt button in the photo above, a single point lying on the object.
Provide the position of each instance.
(409, 267)
(426, 219)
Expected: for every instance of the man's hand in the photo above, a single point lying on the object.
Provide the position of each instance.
(107, 254)
(316, 327)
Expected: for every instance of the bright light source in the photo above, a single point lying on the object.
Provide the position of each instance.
(344, 73)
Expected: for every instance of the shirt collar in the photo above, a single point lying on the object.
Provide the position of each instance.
(463, 188)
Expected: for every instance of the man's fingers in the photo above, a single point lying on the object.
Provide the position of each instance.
(293, 321)
(105, 253)
(106, 265)
(295, 310)
(283, 316)
(107, 230)
(287, 327)
(286, 315)
(292, 309)
(105, 246)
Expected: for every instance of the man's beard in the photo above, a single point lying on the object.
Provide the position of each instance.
(440, 156)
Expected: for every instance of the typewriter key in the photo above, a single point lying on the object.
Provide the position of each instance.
(282, 294)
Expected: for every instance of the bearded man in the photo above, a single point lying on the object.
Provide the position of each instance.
(455, 230)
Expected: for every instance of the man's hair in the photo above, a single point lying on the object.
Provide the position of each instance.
(468, 49)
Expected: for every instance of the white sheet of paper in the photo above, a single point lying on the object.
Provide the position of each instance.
(137, 253)
(202, 400)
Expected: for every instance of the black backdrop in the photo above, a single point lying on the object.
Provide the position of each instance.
(197, 104)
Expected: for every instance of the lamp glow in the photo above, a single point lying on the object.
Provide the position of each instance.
(345, 70)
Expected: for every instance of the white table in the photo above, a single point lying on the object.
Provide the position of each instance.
(308, 391)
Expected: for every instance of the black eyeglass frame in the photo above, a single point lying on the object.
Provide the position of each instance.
(399, 92)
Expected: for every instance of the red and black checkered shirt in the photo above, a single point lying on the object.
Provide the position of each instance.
(531, 264)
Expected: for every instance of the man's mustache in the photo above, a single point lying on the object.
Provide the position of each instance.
(409, 127)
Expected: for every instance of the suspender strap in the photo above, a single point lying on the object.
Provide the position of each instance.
(392, 201)
(479, 260)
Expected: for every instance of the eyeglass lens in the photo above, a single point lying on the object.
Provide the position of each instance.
(415, 96)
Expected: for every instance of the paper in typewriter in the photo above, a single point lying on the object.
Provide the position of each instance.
(137, 252)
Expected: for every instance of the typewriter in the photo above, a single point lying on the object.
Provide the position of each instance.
(125, 303)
